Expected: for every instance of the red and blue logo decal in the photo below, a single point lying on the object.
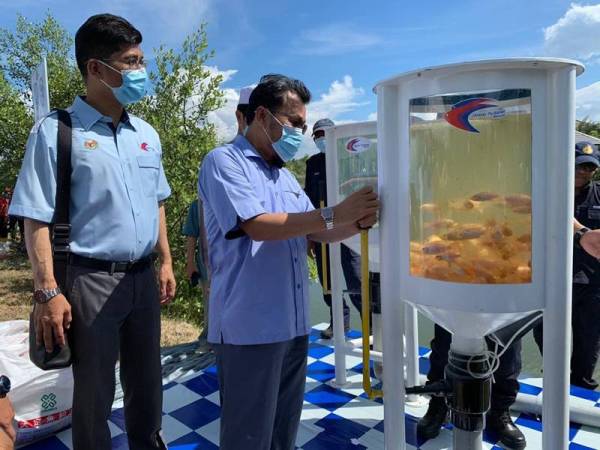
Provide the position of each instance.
(458, 116)
(358, 145)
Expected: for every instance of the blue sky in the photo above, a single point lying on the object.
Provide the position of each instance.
(340, 49)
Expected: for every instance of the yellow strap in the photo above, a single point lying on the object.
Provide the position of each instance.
(326, 289)
(366, 317)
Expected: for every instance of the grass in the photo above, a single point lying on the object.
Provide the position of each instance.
(16, 287)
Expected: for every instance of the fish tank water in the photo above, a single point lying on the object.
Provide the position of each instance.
(353, 165)
(470, 183)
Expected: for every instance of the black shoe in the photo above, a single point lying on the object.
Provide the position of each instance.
(436, 416)
(327, 333)
(500, 424)
(586, 383)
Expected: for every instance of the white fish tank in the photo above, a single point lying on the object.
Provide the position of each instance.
(351, 165)
(476, 183)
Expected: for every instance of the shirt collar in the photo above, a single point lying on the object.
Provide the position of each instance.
(246, 147)
(88, 115)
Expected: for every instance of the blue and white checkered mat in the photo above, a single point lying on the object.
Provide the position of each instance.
(332, 419)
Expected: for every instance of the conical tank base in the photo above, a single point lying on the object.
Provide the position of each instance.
(469, 324)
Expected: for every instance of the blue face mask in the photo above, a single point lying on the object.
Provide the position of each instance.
(321, 144)
(133, 87)
(289, 143)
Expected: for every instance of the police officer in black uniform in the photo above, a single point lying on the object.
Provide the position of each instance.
(586, 271)
(316, 189)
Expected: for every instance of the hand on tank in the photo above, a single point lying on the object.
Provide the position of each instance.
(358, 206)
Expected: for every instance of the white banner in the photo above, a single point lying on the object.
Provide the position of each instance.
(39, 89)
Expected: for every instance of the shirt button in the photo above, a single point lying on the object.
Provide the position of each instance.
(298, 285)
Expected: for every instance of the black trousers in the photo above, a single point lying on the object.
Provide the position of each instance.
(115, 317)
(351, 270)
(262, 390)
(586, 334)
(506, 386)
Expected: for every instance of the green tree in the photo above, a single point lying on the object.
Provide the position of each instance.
(22, 51)
(298, 168)
(589, 127)
(15, 120)
(185, 92)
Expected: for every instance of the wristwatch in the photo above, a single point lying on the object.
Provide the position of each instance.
(4, 386)
(327, 215)
(578, 235)
(45, 295)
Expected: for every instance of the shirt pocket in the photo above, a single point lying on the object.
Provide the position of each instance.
(293, 201)
(149, 166)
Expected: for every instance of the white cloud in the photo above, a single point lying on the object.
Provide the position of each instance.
(335, 39)
(226, 74)
(224, 118)
(575, 35)
(372, 116)
(341, 97)
(587, 101)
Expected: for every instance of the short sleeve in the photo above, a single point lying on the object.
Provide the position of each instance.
(163, 190)
(308, 206)
(35, 191)
(227, 190)
(191, 227)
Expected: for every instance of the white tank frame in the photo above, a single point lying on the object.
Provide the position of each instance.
(552, 254)
(354, 348)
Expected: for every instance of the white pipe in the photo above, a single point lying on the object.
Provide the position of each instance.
(337, 302)
(559, 208)
(355, 351)
(411, 333)
(356, 343)
(392, 308)
(583, 415)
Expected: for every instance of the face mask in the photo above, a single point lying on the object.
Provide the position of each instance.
(321, 144)
(288, 144)
(133, 87)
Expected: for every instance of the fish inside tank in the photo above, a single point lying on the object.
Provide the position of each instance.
(470, 187)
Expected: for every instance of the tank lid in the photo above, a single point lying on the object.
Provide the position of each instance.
(489, 64)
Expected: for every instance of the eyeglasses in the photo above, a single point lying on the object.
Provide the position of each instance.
(131, 62)
(302, 126)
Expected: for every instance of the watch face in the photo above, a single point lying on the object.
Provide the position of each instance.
(39, 296)
(327, 213)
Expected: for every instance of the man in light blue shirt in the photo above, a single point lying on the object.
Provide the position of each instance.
(117, 220)
(257, 220)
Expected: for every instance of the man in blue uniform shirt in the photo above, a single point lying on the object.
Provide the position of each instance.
(118, 220)
(586, 271)
(258, 219)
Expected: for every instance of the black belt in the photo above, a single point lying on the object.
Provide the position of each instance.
(111, 266)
